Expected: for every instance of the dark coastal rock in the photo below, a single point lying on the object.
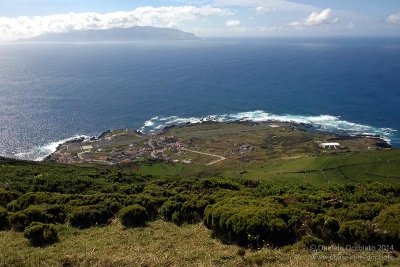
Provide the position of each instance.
(74, 141)
(103, 134)
(382, 144)
(169, 127)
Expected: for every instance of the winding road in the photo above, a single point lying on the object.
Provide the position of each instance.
(220, 158)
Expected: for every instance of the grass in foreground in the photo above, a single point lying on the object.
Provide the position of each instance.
(160, 244)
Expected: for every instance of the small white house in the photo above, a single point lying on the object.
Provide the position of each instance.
(330, 145)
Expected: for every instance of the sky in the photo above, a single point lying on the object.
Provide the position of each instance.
(205, 18)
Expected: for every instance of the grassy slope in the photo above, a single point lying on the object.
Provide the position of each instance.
(165, 244)
(159, 244)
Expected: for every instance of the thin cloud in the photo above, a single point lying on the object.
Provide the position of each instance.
(393, 18)
(317, 18)
(235, 25)
(232, 23)
(261, 10)
(278, 5)
(23, 26)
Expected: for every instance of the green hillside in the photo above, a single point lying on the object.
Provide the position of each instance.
(175, 214)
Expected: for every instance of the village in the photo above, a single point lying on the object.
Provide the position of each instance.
(208, 144)
(111, 148)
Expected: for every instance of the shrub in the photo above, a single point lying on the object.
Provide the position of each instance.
(251, 221)
(28, 199)
(193, 210)
(151, 203)
(4, 220)
(387, 223)
(358, 231)
(39, 213)
(134, 215)
(325, 227)
(177, 218)
(7, 196)
(96, 199)
(184, 208)
(40, 234)
(241, 252)
(87, 216)
(168, 208)
(298, 221)
(365, 211)
(219, 183)
(18, 221)
(132, 189)
(310, 242)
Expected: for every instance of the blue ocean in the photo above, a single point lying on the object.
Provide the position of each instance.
(51, 92)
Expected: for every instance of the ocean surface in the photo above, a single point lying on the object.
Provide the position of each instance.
(52, 92)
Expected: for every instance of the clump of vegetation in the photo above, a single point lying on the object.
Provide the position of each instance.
(309, 242)
(134, 215)
(326, 227)
(87, 216)
(357, 231)
(241, 252)
(7, 196)
(387, 224)
(37, 213)
(4, 219)
(184, 209)
(40, 234)
(170, 209)
(252, 221)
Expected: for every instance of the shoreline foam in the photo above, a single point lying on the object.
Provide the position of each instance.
(41, 152)
(327, 123)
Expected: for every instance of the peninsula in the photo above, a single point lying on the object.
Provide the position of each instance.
(210, 143)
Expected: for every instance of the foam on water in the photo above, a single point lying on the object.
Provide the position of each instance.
(327, 123)
(41, 152)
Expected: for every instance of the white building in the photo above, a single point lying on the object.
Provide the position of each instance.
(330, 145)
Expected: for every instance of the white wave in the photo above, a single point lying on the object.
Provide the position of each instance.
(41, 152)
(327, 123)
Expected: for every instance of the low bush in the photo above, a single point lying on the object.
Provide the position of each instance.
(151, 203)
(310, 242)
(38, 198)
(388, 225)
(37, 213)
(358, 232)
(325, 227)
(365, 211)
(4, 219)
(169, 208)
(7, 196)
(134, 215)
(87, 216)
(218, 183)
(40, 234)
(251, 221)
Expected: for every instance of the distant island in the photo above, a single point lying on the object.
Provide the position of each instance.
(137, 33)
